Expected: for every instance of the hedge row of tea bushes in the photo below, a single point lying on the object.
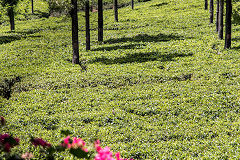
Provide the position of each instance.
(161, 86)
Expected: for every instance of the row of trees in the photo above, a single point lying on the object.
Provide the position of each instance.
(219, 19)
(10, 5)
(75, 59)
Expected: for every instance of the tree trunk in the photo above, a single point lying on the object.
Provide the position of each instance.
(217, 16)
(211, 11)
(206, 4)
(132, 3)
(228, 23)
(75, 43)
(221, 10)
(91, 7)
(11, 18)
(115, 8)
(100, 21)
(32, 7)
(87, 25)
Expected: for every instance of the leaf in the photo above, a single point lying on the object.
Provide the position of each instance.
(79, 153)
(66, 132)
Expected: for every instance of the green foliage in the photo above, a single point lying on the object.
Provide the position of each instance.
(161, 86)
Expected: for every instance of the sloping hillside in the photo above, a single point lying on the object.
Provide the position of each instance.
(161, 86)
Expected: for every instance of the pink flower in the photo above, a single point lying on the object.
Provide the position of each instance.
(97, 145)
(66, 142)
(78, 143)
(104, 154)
(27, 155)
(75, 143)
(40, 142)
(118, 156)
(3, 121)
(8, 142)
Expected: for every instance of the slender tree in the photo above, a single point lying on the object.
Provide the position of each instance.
(228, 24)
(211, 11)
(221, 9)
(206, 4)
(32, 7)
(10, 11)
(217, 16)
(132, 4)
(87, 24)
(100, 21)
(115, 8)
(75, 42)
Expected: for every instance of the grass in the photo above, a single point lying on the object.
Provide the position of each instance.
(161, 86)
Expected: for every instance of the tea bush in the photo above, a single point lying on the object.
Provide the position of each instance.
(161, 86)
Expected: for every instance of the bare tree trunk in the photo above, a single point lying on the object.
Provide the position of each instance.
(211, 11)
(228, 24)
(75, 42)
(87, 25)
(32, 7)
(91, 8)
(206, 4)
(115, 8)
(11, 18)
(221, 10)
(217, 16)
(100, 21)
(132, 4)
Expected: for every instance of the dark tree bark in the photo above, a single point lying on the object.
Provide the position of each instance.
(32, 7)
(115, 8)
(132, 4)
(206, 4)
(11, 18)
(221, 10)
(87, 25)
(211, 11)
(75, 42)
(100, 21)
(217, 16)
(91, 7)
(228, 24)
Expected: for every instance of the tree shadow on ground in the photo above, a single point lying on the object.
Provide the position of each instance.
(235, 17)
(140, 57)
(159, 4)
(8, 39)
(236, 48)
(130, 46)
(236, 38)
(41, 14)
(29, 31)
(145, 38)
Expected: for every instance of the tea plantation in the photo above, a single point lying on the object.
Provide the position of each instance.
(160, 86)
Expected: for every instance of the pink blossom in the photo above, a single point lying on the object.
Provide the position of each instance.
(66, 142)
(104, 154)
(118, 156)
(7, 147)
(7, 143)
(75, 143)
(40, 142)
(27, 155)
(78, 143)
(97, 145)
